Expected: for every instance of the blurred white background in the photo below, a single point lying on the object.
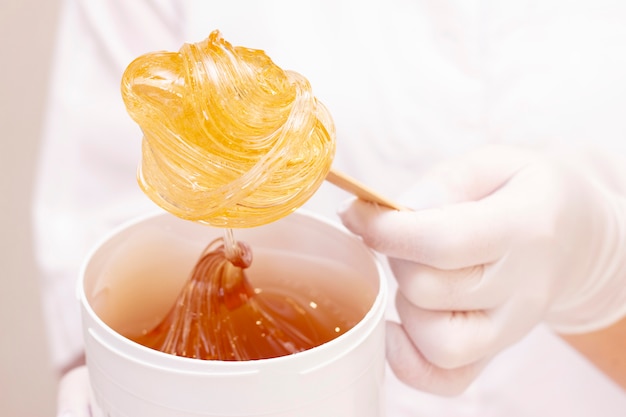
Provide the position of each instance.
(27, 29)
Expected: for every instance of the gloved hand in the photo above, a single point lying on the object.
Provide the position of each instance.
(74, 395)
(499, 240)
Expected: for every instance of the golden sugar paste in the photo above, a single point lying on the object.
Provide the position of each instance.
(230, 139)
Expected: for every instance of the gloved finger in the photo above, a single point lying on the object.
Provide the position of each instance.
(451, 237)
(411, 367)
(469, 226)
(445, 290)
(467, 177)
(448, 339)
(73, 399)
(477, 287)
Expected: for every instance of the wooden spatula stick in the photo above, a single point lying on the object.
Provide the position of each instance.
(358, 189)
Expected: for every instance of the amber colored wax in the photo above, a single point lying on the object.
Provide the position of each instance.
(296, 303)
(230, 139)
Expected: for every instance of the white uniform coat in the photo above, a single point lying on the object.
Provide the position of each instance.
(408, 84)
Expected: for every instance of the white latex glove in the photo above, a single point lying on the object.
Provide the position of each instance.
(74, 395)
(500, 240)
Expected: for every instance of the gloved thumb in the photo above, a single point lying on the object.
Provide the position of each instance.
(468, 177)
(441, 238)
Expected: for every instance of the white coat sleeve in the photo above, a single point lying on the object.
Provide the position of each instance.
(85, 182)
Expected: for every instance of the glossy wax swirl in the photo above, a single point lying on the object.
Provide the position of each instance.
(230, 139)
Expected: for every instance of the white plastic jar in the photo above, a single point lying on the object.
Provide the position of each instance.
(342, 378)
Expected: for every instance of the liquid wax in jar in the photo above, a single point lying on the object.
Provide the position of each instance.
(296, 303)
(333, 294)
